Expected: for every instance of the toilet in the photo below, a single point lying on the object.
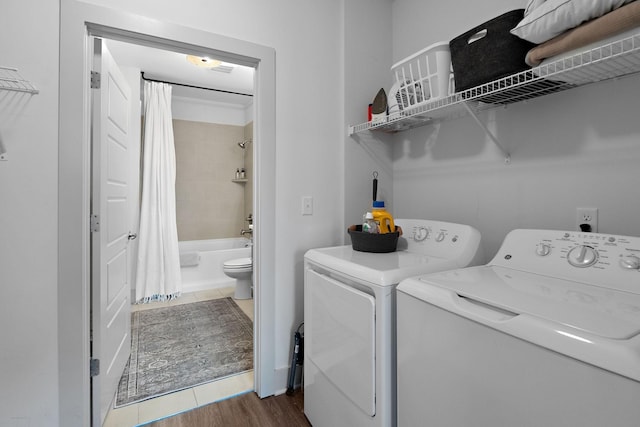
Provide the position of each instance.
(240, 269)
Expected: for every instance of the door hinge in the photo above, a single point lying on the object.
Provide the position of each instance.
(95, 80)
(94, 367)
(95, 223)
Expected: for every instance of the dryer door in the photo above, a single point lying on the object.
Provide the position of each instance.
(340, 337)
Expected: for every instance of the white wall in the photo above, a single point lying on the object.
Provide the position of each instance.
(577, 148)
(367, 62)
(28, 218)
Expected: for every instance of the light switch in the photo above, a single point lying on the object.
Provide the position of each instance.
(307, 205)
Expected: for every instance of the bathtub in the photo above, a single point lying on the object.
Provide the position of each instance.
(212, 254)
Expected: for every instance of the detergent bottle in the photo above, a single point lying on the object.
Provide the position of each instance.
(382, 217)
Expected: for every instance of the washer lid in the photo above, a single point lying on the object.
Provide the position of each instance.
(382, 269)
(597, 325)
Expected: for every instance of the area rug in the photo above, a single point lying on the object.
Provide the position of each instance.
(183, 346)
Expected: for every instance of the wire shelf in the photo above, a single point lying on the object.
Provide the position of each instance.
(10, 79)
(615, 59)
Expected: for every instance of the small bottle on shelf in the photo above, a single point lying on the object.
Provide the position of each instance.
(243, 174)
(238, 173)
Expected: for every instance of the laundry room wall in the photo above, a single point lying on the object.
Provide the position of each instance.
(577, 148)
(29, 217)
(367, 58)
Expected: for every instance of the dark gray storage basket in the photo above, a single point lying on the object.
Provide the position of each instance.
(489, 52)
(373, 242)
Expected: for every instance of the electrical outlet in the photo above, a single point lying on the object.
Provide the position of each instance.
(587, 219)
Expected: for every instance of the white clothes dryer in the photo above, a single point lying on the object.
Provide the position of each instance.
(546, 334)
(349, 303)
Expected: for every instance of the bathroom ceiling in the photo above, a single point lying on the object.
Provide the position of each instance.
(174, 67)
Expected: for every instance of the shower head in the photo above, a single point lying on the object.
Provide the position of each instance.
(243, 144)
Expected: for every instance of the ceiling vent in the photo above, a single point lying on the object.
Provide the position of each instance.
(223, 68)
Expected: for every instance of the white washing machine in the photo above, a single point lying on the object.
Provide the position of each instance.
(349, 306)
(546, 334)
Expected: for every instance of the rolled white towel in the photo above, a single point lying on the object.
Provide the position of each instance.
(189, 259)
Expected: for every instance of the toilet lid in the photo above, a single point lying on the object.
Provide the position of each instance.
(238, 263)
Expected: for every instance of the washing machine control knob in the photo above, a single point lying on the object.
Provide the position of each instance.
(440, 237)
(543, 249)
(582, 256)
(630, 262)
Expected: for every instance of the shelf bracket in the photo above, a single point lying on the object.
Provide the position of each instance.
(507, 156)
(3, 152)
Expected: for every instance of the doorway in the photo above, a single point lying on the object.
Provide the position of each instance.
(210, 126)
(79, 21)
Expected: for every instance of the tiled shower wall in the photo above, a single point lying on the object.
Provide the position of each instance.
(209, 204)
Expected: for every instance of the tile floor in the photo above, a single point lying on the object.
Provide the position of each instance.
(171, 404)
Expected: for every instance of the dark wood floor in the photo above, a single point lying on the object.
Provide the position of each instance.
(243, 411)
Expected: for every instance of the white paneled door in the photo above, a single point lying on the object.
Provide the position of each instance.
(110, 288)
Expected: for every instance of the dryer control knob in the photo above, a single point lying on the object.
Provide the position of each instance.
(420, 234)
(543, 249)
(440, 237)
(630, 262)
(582, 256)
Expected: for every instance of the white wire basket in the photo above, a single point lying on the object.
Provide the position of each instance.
(616, 57)
(422, 77)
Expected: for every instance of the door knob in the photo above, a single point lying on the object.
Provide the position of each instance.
(132, 236)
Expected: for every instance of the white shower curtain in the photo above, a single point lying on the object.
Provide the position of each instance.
(158, 274)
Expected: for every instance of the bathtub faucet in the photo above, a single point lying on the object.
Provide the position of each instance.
(243, 232)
